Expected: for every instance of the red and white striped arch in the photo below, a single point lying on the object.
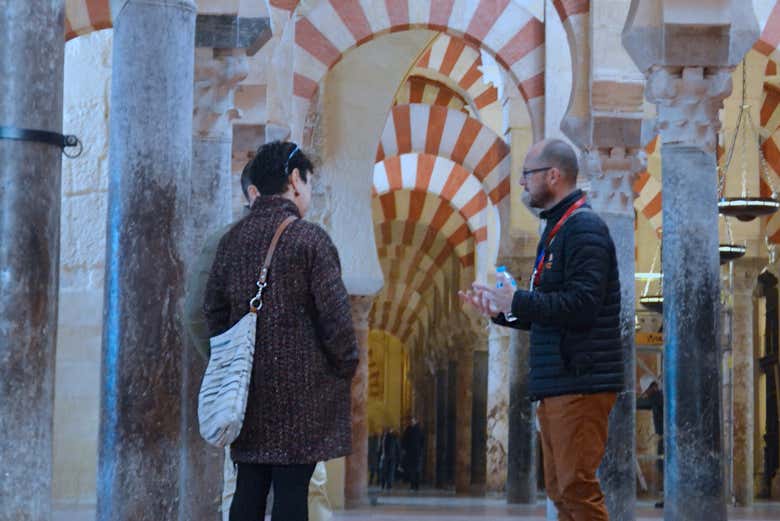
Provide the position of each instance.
(770, 102)
(567, 9)
(767, 45)
(460, 60)
(418, 89)
(401, 321)
(412, 237)
(769, 40)
(438, 247)
(430, 210)
(648, 188)
(423, 173)
(508, 31)
(418, 267)
(285, 5)
(85, 16)
(453, 135)
(771, 150)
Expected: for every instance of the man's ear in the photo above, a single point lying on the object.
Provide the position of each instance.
(253, 193)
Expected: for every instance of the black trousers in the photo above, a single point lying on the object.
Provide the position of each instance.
(291, 491)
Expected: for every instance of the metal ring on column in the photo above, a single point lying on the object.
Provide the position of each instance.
(43, 136)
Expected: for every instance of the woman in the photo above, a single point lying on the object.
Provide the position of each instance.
(298, 410)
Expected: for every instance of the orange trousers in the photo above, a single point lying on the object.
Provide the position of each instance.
(574, 437)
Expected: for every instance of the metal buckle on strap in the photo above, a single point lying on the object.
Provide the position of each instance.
(256, 303)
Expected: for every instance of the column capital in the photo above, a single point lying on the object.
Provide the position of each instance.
(361, 307)
(217, 75)
(612, 172)
(688, 100)
(746, 271)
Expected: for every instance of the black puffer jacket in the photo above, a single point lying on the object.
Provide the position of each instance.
(574, 313)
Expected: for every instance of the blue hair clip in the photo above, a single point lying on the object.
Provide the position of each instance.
(287, 163)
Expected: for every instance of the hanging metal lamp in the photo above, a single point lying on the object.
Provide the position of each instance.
(745, 207)
(730, 251)
(654, 301)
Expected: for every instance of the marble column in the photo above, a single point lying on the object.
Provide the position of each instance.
(452, 422)
(522, 438)
(356, 479)
(31, 82)
(464, 400)
(140, 467)
(217, 74)
(499, 367)
(688, 102)
(479, 421)
(442, 396)
(743, 353)
(521, 469)
(429, 421)
(612, 197)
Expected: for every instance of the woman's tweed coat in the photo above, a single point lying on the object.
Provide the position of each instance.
(306, 353)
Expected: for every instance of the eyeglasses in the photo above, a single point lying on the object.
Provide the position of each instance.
(287, 163)
(530, 171)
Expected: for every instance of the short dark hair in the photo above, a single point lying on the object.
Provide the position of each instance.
(270, 169)
(559, 154)
(245, 180)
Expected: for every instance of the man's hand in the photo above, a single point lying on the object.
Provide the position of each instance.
(499, 299)
(479, 301)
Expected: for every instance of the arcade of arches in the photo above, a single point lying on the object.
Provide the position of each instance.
(419, 114)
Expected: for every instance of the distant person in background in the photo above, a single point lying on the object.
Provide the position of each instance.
(389, 459)
(373, 459)
(652, 399)
(412, 444)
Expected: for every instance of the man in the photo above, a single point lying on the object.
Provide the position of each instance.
(572, 310)
(412, 443)
(389, 458)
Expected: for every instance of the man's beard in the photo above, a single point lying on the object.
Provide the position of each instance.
(525, 198)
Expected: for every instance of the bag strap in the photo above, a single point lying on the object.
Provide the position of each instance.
(257, 301)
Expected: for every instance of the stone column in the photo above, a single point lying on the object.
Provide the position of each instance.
(745, 279)
(497, 408)
(356, 479)
(522, 435)
(464, 399)
(612, 196)
(442, 397)
(479, 420)
(140, 467)
(688, 101)
(521, 470)
(217, 74)
(31, 83)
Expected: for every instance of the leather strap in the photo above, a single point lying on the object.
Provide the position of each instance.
(272, 248)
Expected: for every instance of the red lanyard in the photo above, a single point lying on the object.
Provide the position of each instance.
(540, 261)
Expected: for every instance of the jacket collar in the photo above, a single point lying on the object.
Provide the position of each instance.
(274, 204)
(556, 212)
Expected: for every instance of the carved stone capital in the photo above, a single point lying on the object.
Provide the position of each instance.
(361, 307)
(612, 173)
(688, 101)
(217, 75)
(746, 271)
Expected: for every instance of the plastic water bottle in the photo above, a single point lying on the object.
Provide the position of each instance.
(503, 277)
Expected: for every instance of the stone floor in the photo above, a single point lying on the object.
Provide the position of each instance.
(430, 507)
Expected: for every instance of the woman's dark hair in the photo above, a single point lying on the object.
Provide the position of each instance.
(270, 169)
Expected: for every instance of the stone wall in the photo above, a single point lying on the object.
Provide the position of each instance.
(83, 231)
